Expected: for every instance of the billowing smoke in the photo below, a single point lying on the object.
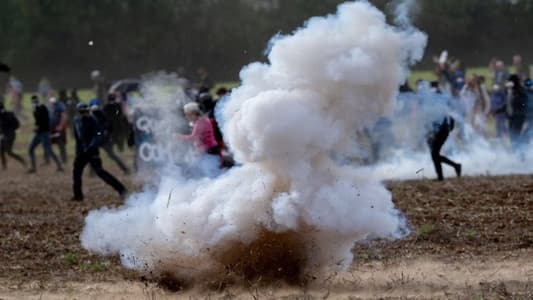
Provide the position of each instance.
(403, 12)
(294, 203)
(402, 152)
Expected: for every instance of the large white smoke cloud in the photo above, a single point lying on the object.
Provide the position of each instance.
(291, 125)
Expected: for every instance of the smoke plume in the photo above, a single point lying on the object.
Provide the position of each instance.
(293, 204)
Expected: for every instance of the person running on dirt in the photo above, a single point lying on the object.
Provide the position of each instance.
(436, 139)
(106, 124)
(8, 126)
(58, 123)
(89, 137)
(42, 134)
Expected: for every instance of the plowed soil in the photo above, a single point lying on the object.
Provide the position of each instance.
(471, 238)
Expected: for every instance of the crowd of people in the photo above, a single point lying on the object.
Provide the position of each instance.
(502, 111)
(101, 125)
(506, 101)
(506, 106)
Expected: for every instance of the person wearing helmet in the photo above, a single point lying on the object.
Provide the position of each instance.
(89, 137)
(8, 126)
(42, 134)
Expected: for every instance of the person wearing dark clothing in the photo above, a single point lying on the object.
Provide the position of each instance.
(106, 125)
(499, 110)
(8, 126)
(118, 122)
(436, 139)
(517, 109)
(42, 134)
(89, 137)
(528, 84)
(405, 88)
(71, 104)
(207, 104)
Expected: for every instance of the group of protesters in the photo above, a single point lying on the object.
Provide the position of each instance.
(105, 123)
(501, 112)
(508, 102)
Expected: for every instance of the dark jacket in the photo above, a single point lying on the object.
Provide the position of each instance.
(518, 102)
(112, 112)
(89, 135)
(441, 129)
(8, 124)
(530, 104)
(42, 119)
(104, 123)
(497, 105)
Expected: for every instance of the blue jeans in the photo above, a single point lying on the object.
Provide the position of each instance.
(42, 138)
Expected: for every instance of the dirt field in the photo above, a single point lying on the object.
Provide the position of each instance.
(472, 239)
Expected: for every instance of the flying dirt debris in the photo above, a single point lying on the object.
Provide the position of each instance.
(289, 126)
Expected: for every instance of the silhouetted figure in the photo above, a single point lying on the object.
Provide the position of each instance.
(118, 125)
(59, 123)
(8, 126)
(42, 134)
(72, 104)
(88, 138)
(105, 124)
(436, 139)
(528, 84)
(516, 109)
(498, 109)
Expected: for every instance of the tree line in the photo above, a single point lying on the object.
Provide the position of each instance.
(51, 37)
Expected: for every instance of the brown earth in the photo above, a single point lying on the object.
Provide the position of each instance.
(472, 238)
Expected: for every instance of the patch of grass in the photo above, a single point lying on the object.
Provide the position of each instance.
(415, 75)
(71, 259)
(226, 84)
(426, 229)
(94, 267)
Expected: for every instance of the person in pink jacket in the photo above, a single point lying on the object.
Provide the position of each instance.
(203, 139)
(202, 135)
